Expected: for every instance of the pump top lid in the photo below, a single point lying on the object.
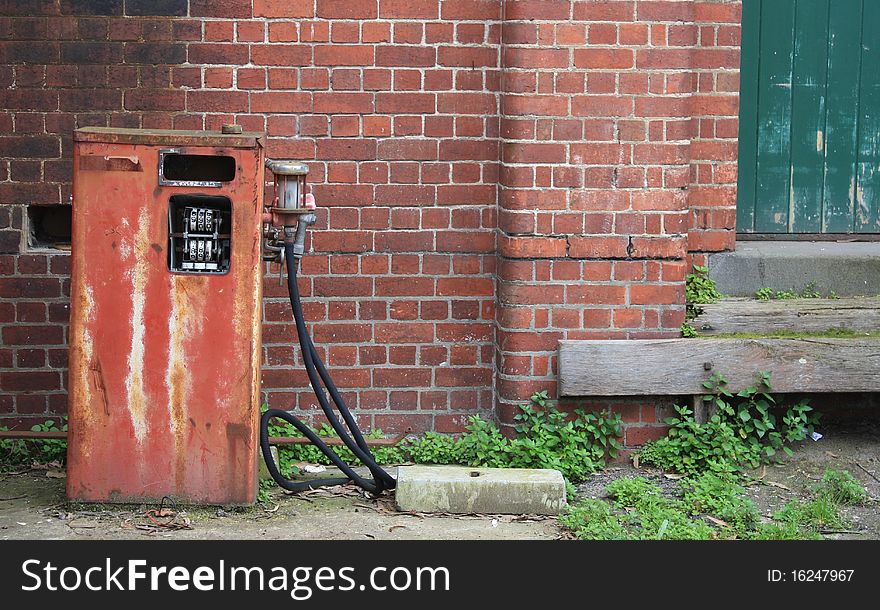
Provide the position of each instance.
(287, 168)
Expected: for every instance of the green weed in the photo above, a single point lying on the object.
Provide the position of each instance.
(841, 488)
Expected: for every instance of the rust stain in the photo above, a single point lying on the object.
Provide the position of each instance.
(156, 247)
(134, 383)
(107, 163)
(184, 322)
(81, 343)
(238, 437)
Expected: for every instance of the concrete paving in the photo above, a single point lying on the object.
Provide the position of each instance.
(847, 268)
(462, 490)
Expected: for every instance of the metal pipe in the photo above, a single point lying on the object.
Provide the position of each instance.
(26, 434)
(273, 440)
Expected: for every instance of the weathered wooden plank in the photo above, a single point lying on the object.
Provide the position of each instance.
(774, 117)
(842, 105)
(680, 366)
(796, 315)
(808, 116)
(748, 116)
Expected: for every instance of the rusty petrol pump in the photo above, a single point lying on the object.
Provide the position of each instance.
(170, 235)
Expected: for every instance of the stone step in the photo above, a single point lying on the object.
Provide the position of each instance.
(846, 268)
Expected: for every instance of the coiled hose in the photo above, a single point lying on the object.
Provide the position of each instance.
(317, 373)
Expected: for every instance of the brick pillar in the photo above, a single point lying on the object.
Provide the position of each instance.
(715, 108)
(596, 128)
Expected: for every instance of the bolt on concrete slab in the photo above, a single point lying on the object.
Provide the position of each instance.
(463, 490)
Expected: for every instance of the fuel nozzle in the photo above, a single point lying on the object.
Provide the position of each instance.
(290, 188)
(291, 211)
(298, 236)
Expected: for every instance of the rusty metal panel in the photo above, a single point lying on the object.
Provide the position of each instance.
(164, 367)
(166, 137)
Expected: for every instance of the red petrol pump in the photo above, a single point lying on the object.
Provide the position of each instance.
(170, 233)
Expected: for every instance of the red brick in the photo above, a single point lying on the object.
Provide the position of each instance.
(409, 9)
(479, 10)
(33, 335)
(284, 8)
(520, 57)
(343, 103)
(396, 55)
(464, 287)
(250, 31)
(235, 54)
(399, 332)
(400, 103)
(656, 294)
(280, 102)
(344, 55)
(281, 54)
(346, 9)
(29, 381)
(220, 8)
(636, 436)
(401, 377)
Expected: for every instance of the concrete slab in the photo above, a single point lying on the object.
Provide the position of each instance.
(264, 470)
(463, 490)
(847, 268)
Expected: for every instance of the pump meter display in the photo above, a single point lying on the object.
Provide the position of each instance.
(199, 233)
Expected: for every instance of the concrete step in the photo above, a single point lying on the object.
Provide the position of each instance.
(464, 490)
(846, 268)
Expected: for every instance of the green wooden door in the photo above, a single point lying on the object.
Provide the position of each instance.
(809, 139)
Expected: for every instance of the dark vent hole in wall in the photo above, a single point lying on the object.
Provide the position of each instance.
(198, 168)
(48, 227)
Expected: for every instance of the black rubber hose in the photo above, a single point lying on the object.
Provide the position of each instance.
(317, 372)
(311, 361)
(377, 471)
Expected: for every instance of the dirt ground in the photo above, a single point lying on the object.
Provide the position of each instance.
(852, 447)
(32, 505)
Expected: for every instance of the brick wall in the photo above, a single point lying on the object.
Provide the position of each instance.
(492, 177)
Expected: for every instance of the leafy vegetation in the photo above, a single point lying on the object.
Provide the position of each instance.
(722, 496)
(545, 438)
(743, 431)
(747, 429)
(807, 292)
(290, 455)
(15, 452)
(708, 506)
(638, 511)
(688, 331)
(818, 513)
(842, 488)
(700, 289)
